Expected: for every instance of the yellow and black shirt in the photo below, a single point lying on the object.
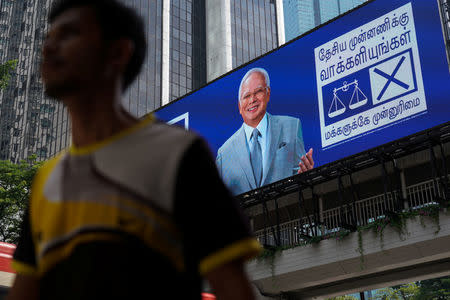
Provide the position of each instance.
(142, 215)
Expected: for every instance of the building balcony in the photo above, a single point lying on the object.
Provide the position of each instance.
(387, 239)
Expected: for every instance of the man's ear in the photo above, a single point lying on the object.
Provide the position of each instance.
(120, 53)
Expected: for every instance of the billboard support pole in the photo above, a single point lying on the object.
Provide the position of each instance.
(386, 209)
(436, 175)
(265, 222)
(355, 197)
(303, 233)
(321, 215)
(317, 221)
(400, 199)
(441, 175)
(403, 189)
(445, 179)
(277, 214)
(300, 201)
(341, 202)
(310, 222)
(384, 174)
(266, 218)
(347, 222)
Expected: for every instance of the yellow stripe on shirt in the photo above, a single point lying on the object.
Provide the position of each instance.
(243, 249)
(60, 224)
(22, 268)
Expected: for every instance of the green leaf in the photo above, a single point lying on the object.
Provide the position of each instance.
(15, 185)
(5, 72)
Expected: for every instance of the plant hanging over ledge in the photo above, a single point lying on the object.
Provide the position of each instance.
(397, 221)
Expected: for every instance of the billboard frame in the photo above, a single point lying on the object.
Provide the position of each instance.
(395, 149)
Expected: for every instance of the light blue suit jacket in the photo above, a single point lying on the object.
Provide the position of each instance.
(284, 149)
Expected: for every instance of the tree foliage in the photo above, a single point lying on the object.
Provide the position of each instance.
(5, 72)
(431, 289)
(401, 292)
(434, 289)
(15, 185)
(346, 297)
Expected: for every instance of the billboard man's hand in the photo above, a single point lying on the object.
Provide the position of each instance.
(307, 162)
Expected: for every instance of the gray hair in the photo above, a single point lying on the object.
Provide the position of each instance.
(250, 72)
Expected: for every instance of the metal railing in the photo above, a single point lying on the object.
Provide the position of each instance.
(366, 211)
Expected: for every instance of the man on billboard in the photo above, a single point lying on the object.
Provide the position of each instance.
(266, 148)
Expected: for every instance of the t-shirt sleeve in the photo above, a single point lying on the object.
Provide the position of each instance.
(215, 230)
(24, 261)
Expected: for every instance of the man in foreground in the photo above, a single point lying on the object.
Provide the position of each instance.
(135, 209)
(266, 148)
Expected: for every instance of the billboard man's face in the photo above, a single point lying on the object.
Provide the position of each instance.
(253, 100)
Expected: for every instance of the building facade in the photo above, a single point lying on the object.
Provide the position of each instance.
(30, 123)
(238, 31)
(176, 59)
(253, 29)
(303, 15)
(300, 16)
(145, 93)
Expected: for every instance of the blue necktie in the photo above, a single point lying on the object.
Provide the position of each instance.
(256, 157)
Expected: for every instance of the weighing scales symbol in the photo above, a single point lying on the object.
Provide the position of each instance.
(337, 106)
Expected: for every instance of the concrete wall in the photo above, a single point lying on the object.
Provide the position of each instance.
(335, 267)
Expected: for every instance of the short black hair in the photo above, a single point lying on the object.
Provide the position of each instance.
(116, 21)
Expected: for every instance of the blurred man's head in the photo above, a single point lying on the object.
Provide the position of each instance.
(254, 94)
(90, 43)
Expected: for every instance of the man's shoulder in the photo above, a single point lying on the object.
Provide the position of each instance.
(157, 137)
(47, 168)
(284, 119)
(158, 140)
(229, 142)
(168, 133)
(147, 161)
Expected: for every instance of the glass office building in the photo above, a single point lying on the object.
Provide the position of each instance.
(187, 46)
(253, 29)
(303, 15)
(30, 123)
(328, 9)
(177, 50)
(238, 31)
(241, 30)
(300, 16)
(145, 93)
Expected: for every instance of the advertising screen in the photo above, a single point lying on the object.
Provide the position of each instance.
(374, 75)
